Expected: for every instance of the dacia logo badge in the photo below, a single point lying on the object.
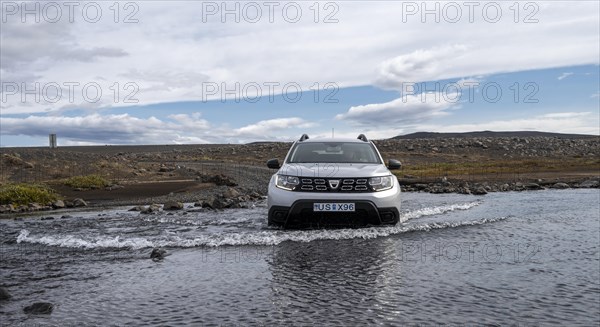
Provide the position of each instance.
(334, 183)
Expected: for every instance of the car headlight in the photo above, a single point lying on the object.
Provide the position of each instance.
(286, 182)
(381, 183)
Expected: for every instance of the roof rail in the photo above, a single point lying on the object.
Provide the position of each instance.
(363, 138)
(303, 137)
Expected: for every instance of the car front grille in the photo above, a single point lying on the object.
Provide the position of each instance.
(348, 185)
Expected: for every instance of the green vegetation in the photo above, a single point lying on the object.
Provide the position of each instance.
(498, 167)
(23, 194)
(87, 182)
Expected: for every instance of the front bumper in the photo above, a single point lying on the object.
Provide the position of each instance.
(301, 213)
(287, 208)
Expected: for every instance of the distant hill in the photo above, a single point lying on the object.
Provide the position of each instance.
(433, 135)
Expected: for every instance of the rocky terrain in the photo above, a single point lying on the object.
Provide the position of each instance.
(211, 175)
(496, 148)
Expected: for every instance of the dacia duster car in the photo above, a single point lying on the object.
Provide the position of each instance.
(335, 181)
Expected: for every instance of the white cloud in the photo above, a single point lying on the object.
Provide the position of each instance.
(566, 122)
(370, 132)
(125, 129)
(171, 50)
(566, 115)
(189, 140)
(190, 121)
(419, 65)
(91, 128)
(563, 76)
(265, 127)
(403, 111)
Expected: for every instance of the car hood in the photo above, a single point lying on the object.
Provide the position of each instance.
(333, 170)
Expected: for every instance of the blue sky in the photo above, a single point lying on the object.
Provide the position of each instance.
(175, 63)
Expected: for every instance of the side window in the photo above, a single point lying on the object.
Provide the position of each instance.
(373, 154)
(292, 154)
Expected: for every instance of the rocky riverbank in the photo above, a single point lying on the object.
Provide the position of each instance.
(483, 188)
(219, 197)
(227, 176)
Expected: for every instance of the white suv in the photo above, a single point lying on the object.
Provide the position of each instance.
(327, 182)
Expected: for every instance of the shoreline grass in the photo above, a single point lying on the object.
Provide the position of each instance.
(24, 194)
(499, 167)
(87, 182)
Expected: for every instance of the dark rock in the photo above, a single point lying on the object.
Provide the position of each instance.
(219, 179)
(58, 204)
(6, 208)
(231, 193)
(479, 191)
(136, 208)
(47, 218)
(590, 184)
(66, 217)
(158, 254)
(39, 308)
(533, 186)
(79, 203)
(35, 207)
(151, 209)
(165, 169)
(518, 186)
(464, 190)
(420, 187)
(255, 195)
(4, 295)
(560, 186)
(172, 205)
(213, 203)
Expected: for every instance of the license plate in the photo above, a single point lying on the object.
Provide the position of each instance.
(333, 207)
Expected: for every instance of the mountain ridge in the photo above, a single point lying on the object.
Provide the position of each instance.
(436, 135)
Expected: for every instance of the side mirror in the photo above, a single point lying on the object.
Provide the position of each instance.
(394, 164)
(273, 163)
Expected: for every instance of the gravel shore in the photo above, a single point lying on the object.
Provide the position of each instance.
(143, 175)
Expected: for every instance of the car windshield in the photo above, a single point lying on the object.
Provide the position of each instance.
(334, 152)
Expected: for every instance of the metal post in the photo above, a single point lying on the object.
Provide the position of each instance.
(52, 141)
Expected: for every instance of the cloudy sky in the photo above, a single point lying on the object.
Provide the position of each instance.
(159, 72)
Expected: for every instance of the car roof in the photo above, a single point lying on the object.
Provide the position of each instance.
(336, 139)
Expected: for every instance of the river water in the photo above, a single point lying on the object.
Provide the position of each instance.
(517, 259)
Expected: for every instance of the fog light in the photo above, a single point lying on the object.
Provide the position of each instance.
(387, 216)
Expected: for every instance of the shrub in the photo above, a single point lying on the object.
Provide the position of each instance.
(89, 181)
(23, 194)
